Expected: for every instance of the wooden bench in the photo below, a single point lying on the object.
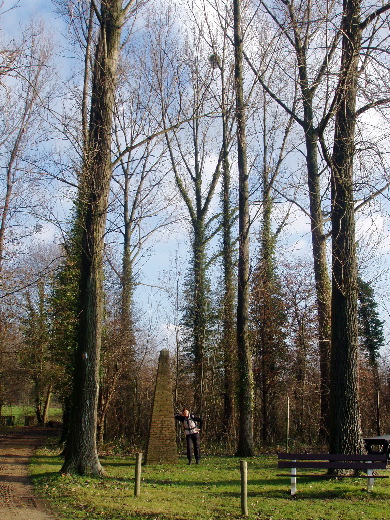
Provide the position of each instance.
(367, 463)
(7, 420)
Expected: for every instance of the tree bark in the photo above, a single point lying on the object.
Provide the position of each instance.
(127, 281)
(199, 311)
(321, 274)
(245, 371)
(345, 419)
(46, 407)
(229, 322)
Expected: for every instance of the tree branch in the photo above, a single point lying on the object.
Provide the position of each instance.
(164, 131)
(95, 8)
(372, 196)
(270, 93)
(373, 104)
(374, 15)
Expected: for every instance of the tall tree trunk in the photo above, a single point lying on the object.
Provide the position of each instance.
(81, 453)
(127, 276)
(38, 403)
(265, 277)
(321, 274)
(245, 371)
(229, 323)
(345, 419)
(199, 311)
(322, 279)
(323, 286)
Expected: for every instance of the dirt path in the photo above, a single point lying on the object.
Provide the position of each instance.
(17, 500)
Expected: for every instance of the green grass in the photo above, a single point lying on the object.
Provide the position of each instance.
(208, 491)
(19, 412)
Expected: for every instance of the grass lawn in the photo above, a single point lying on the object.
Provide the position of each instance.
(208, 491)
(19, 412)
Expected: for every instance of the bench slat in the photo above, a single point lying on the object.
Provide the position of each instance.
(332, 456)
(367, 463)
(314, 475)
(331, 465)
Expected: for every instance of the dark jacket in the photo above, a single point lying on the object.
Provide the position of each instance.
(189, 423)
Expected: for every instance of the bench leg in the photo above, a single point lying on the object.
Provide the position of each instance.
(370, 480)
(293, 481)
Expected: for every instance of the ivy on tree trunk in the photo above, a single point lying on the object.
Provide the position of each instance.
(81, 452)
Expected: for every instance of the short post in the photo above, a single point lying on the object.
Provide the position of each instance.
(138, 465)
(244, 487)
(370, 480)
(293, 480)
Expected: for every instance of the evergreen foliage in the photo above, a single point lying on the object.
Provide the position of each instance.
(370, 325)
(64, 309)
(269, 339)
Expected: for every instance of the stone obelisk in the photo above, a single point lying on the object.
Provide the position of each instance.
(161, 448)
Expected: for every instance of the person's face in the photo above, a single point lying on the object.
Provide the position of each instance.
(186, 413)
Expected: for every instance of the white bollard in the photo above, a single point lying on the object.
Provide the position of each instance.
(370, 481)
(293, 480)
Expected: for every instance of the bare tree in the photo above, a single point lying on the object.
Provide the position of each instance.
(345, 426)
(221, 60)
(25, 83)
(9, 53)
(196, 157)
(268, 314)
(81, 454)
(35, 358)
(302, 376)
(140, 206)
(25, 93)
(213, 21)
(304, 27)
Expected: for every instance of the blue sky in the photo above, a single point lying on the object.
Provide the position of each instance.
(17, 12)
(155, 285)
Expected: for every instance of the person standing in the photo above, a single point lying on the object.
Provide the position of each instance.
(192, 425)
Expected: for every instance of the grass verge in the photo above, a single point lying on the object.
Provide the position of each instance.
(19, 412)
(210, 491)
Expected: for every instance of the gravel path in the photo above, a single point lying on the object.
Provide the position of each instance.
(17, 500)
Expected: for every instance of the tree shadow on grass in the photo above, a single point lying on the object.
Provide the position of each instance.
(44, 461)
(118, 464)
(11, 479)
(310, 495)
(178, 483)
